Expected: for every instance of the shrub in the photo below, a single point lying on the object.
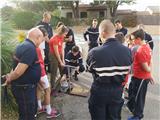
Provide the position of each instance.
(8, 44)
(25, 19)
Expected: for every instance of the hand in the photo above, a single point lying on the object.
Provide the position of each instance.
(8, 79)
(77, 69)
(62, 64)
(152, 81)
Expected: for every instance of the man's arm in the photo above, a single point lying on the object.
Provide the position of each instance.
(90, 62)
(16, 73)
(85, 35)
(55, 47)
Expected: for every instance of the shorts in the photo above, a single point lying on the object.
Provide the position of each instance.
(46, 82)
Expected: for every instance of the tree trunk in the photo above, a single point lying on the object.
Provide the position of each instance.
(75, 10)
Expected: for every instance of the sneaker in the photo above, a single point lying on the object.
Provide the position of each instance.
(42, 110)
(53, 114)
(133, 118)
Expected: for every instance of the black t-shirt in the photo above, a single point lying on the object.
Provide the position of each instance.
(123, 30)
(26, 53)
(93, 34)
(70, 33)
(148, 39)
(48, 27)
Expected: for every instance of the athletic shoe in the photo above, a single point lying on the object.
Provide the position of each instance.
(53, 114)
(42, 110)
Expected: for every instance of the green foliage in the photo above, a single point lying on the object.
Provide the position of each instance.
(7, 12)
(56, 13)
(7, 46)
(25, 19)
(7, 36)
(37, 6)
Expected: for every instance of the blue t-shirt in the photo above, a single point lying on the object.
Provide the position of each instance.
(26, 53)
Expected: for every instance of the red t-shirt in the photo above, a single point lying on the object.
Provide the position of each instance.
(142, 55)
(41, 61)
(56, 40)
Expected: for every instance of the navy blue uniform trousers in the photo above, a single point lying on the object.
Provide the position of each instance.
(105, 102)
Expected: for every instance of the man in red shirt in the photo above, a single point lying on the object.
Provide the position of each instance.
(141, 76)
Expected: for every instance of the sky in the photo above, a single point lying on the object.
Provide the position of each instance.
(139, 6)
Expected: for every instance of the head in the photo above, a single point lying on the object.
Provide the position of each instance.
(141, 26)
(118, 24)
(138, 36)
(59, 24)
(62, 30)
(75, 50)
(120, 37)
(43, 30)
(130, 39)
(36, 36)
(46, 17)
(94, 23)
(106, 30)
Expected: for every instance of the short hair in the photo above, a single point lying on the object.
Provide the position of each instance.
(120, 37)
(117, 21)
(75, 49)
(107, 26)
(43, 30)
(45, 14)
(95, 20)
(138, 34)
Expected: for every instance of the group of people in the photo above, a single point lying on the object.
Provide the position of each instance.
(109, 61)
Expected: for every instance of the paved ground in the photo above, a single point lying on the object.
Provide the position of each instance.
(76, 108)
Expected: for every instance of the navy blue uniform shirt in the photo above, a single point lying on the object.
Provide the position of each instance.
(74, 60)
(48, 27)
(93, 34)
(123, 30)
(109, 63)
(26, 53)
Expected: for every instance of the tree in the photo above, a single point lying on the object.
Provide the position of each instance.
(37, 6)
(73, 4)
(112, 5)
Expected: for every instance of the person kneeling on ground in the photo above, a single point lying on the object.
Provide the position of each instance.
(74, 58)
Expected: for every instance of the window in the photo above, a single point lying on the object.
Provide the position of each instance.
(83, 14)
(101, 14)
(69, 15)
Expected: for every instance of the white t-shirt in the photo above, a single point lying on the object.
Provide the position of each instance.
(42, 45)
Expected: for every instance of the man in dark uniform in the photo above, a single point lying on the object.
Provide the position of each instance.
(74, 58)
(93, 35)
(109, 64)
(26, 74)
(147, 37)
(45, 45)
(120, 28)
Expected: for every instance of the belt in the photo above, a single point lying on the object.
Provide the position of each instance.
(25, 86)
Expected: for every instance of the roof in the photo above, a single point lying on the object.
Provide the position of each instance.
(153, 9)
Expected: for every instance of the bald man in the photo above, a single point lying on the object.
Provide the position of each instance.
(109, 64)
(26, 74)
